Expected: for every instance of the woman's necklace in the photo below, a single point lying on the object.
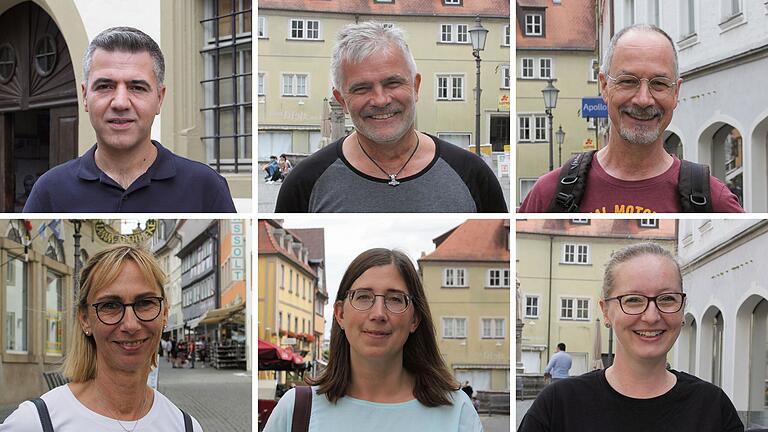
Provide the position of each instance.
(143, 403)
(392, 177)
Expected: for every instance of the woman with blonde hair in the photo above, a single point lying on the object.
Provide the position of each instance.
(385, 372)
(111, 353)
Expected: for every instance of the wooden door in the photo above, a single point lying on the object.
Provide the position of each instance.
(63, 145)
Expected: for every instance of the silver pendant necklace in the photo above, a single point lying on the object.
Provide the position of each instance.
(392, 177)
(137, 420)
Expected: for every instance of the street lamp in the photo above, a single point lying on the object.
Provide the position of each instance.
(550, 102)
(477, 34)
(560, 135)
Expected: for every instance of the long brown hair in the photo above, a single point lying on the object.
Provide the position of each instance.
(421, 357)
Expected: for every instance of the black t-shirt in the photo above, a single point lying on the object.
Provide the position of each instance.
(587, 403)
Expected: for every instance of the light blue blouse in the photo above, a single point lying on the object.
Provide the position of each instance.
(353, 415)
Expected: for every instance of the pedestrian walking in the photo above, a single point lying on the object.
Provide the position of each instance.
(559, 365)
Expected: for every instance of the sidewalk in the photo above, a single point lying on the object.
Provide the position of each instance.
(495, 423)
(267, 193)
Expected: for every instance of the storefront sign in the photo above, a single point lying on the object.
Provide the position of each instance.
(109, 235)
(237, 257)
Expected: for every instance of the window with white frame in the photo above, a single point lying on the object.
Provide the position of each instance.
(446, 33)
(574, 308)
(688, 17)
(594, 70)
(505, 76)
(526, 184)
(505, 40)
(498, 278)
(454, 277)
(531, 306)
(545, 68)
(227, 85)
(454, 33)
(526, 68)
(460, 139)
(295, 85)
(532, 128)
(731, 8)
(454, 328)
(649, 223)
(262, 27)
(305, 29)
(452, 2)
(492, 328)
(575, 254)
(534, 24)
(260, 87)
(580, 221)
(450, 87)
(462, 33)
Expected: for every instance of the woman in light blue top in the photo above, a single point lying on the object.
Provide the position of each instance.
(385, 372)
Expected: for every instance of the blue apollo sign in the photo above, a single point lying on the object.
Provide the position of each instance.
(593, 107)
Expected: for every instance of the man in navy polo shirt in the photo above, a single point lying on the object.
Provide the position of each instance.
(126, 171)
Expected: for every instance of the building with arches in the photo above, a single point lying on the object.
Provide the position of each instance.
(725, 336)
(206, 114)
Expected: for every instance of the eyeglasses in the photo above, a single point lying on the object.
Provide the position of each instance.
(659, 86)
(636, 304)
(145, 309)
(363, 300)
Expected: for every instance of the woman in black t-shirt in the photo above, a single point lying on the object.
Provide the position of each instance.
(642, 300)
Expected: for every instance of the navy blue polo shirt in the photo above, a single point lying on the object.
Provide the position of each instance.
(172, 184)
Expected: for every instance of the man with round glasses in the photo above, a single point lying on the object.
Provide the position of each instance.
(640, 82)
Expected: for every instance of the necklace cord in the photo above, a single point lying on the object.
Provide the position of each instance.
(392, 177)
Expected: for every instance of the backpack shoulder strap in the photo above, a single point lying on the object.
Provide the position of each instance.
(693, 188)
(302, 409)
(571, 184)
(187, 421)
(42, 411)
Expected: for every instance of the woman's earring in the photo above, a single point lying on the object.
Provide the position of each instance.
(87, 333)
(607, 325)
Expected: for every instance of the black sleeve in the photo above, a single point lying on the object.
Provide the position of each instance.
(537, 417)
(297, 187)
(477, 175)
(731, 421)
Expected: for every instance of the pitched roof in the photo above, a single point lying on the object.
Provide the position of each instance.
(268, 244)
(313, 239)
(569, 25)
(609, 228)
(489, 8)
(474, 240)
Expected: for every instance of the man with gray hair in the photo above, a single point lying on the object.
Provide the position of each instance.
(640, 83)
(126, 171)
(386, 165)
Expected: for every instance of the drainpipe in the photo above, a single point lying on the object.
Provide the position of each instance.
(549, 312)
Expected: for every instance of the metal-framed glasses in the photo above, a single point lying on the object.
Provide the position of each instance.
(112, 312)
(363, 300)
(660, 86)
(636, 304)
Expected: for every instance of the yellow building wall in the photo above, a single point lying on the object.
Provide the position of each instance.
(567, 280)
(432, 57)
(572, 73)
(474, 304)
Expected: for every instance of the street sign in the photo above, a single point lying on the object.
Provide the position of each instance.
(593, 107)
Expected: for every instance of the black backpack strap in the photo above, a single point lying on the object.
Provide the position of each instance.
(571, 184)
(42, 411)
(693, 188)
(302, 409)
(187, 421)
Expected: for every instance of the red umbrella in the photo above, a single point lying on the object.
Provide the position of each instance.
(270, 351)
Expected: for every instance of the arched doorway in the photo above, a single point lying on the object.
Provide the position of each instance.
(38, 101)
(673, 145)
(728, 159)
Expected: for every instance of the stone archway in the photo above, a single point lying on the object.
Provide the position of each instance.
(38, 101)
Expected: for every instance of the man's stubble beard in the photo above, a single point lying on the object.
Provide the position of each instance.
(409, 116)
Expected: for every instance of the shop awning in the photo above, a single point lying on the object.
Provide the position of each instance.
(216, 316)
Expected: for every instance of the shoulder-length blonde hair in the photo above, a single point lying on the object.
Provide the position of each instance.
(101, 270)
(421, 357)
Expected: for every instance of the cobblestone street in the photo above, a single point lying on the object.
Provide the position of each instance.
(219, 399)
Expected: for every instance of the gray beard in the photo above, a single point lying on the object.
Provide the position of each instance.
(640, 136)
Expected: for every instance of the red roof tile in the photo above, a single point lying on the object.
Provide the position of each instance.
(570, 25)
(613, 228)
(269, 245)
(474, 240)
(490, 8)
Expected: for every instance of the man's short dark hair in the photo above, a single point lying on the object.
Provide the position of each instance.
(561, 346)
(126, 39)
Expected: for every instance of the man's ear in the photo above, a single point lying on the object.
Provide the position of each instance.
(340, 99)
(603, 84)
(161, 96)
(85, 94)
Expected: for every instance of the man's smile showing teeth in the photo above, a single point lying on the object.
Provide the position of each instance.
(382, 116)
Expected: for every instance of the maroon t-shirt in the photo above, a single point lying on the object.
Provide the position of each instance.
(606, 194)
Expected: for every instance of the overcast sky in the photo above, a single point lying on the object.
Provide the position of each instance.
(347, 237)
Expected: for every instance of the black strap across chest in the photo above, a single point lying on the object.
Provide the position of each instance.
(302, 409)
